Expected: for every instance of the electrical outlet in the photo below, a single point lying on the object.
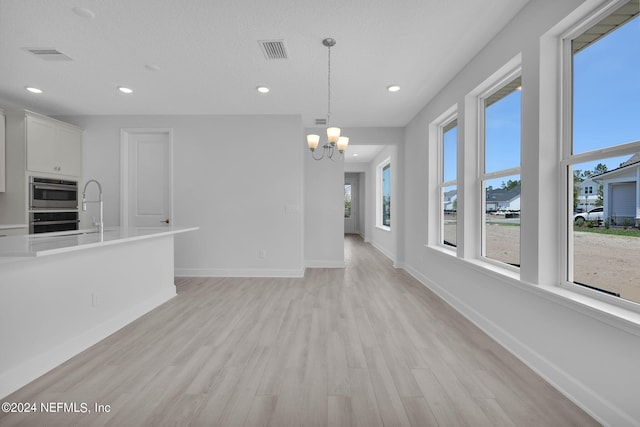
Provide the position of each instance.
(262, 253)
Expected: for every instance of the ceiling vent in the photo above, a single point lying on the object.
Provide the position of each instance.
(321, 121)
(48, 53)
(273, 49)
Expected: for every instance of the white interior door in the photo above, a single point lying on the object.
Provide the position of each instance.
(147, 196)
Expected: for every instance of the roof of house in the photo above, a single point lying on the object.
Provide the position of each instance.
(633, 161)
(503, 194)
(495, 194)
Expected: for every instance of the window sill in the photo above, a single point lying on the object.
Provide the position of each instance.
(383, 227)
(611, 314)
(619, 317)
(448, 250)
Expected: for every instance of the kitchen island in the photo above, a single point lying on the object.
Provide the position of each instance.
(63, 292)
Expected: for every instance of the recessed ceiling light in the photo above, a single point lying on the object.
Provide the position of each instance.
(84, 12)
(33, 89)
(262, 89)
(393, 88)
(125, 89)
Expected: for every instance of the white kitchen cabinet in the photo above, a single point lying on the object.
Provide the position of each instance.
(38, 146)
(53, 146)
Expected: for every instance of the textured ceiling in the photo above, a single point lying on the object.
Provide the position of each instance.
(210, 61)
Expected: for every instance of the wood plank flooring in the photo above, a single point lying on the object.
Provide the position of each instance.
(362, 346)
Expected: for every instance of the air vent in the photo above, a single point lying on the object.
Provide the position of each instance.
(273, 49)
(48, 53)
(321, 121)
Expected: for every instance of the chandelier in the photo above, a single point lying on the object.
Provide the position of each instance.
(334, 140)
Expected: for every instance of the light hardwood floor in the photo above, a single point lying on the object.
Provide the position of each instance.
(362, 346)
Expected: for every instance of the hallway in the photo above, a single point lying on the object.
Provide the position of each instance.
(366, 345)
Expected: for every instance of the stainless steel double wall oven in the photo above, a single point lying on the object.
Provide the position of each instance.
(53, 205)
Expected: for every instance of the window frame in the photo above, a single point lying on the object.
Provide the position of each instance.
(380, 194)
(498, 82)
(568, 159)
(440, 124)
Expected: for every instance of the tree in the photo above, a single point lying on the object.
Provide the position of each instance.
(510, 184)
(600, 168)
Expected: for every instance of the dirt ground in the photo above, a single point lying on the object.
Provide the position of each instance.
(605, 261)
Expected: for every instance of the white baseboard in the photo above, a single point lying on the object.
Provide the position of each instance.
(240, 272)
(324, 264)
(35, 367)
(383, 251)
(591, 402)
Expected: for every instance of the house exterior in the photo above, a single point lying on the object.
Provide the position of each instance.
(450, 200)
(495, 199)
(587, 195)
(621, 193)
(503, 199)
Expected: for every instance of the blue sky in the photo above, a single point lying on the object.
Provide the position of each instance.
(607, 90)
(606, 105)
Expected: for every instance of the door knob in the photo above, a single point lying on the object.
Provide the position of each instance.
(166, 221)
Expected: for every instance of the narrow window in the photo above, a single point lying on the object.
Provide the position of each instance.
(501, 176)
(383, 195)
(448, 182)
(347, 200)
(603, 156)
(386, 196)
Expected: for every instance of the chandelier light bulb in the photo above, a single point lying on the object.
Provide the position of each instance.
(313, 141)
(332, 135)
(343, 141)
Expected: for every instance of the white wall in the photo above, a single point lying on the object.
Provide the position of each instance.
(590, 356)
(239, 178)
(324, 209)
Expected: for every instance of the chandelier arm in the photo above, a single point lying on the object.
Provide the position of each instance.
(321, 156)
(339, 156)
(332, 153)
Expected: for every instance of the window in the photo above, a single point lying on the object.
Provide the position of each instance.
(501, 174)
(347, 200)
(383, 195)
(448, 181)
(602, 156)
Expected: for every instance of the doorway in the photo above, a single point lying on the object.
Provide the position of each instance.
(146, 177)
(353, 218)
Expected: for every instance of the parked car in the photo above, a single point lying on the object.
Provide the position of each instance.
(594, 214)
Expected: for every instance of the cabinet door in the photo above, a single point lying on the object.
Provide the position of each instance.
(69, 151)
(41, 145)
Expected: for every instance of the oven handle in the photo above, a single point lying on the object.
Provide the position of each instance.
(67, 221)
(55, 187)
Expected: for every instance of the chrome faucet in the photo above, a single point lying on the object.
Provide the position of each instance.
(99, 224)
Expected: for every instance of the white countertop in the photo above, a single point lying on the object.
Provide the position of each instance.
(12, 226)
(36, 245)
